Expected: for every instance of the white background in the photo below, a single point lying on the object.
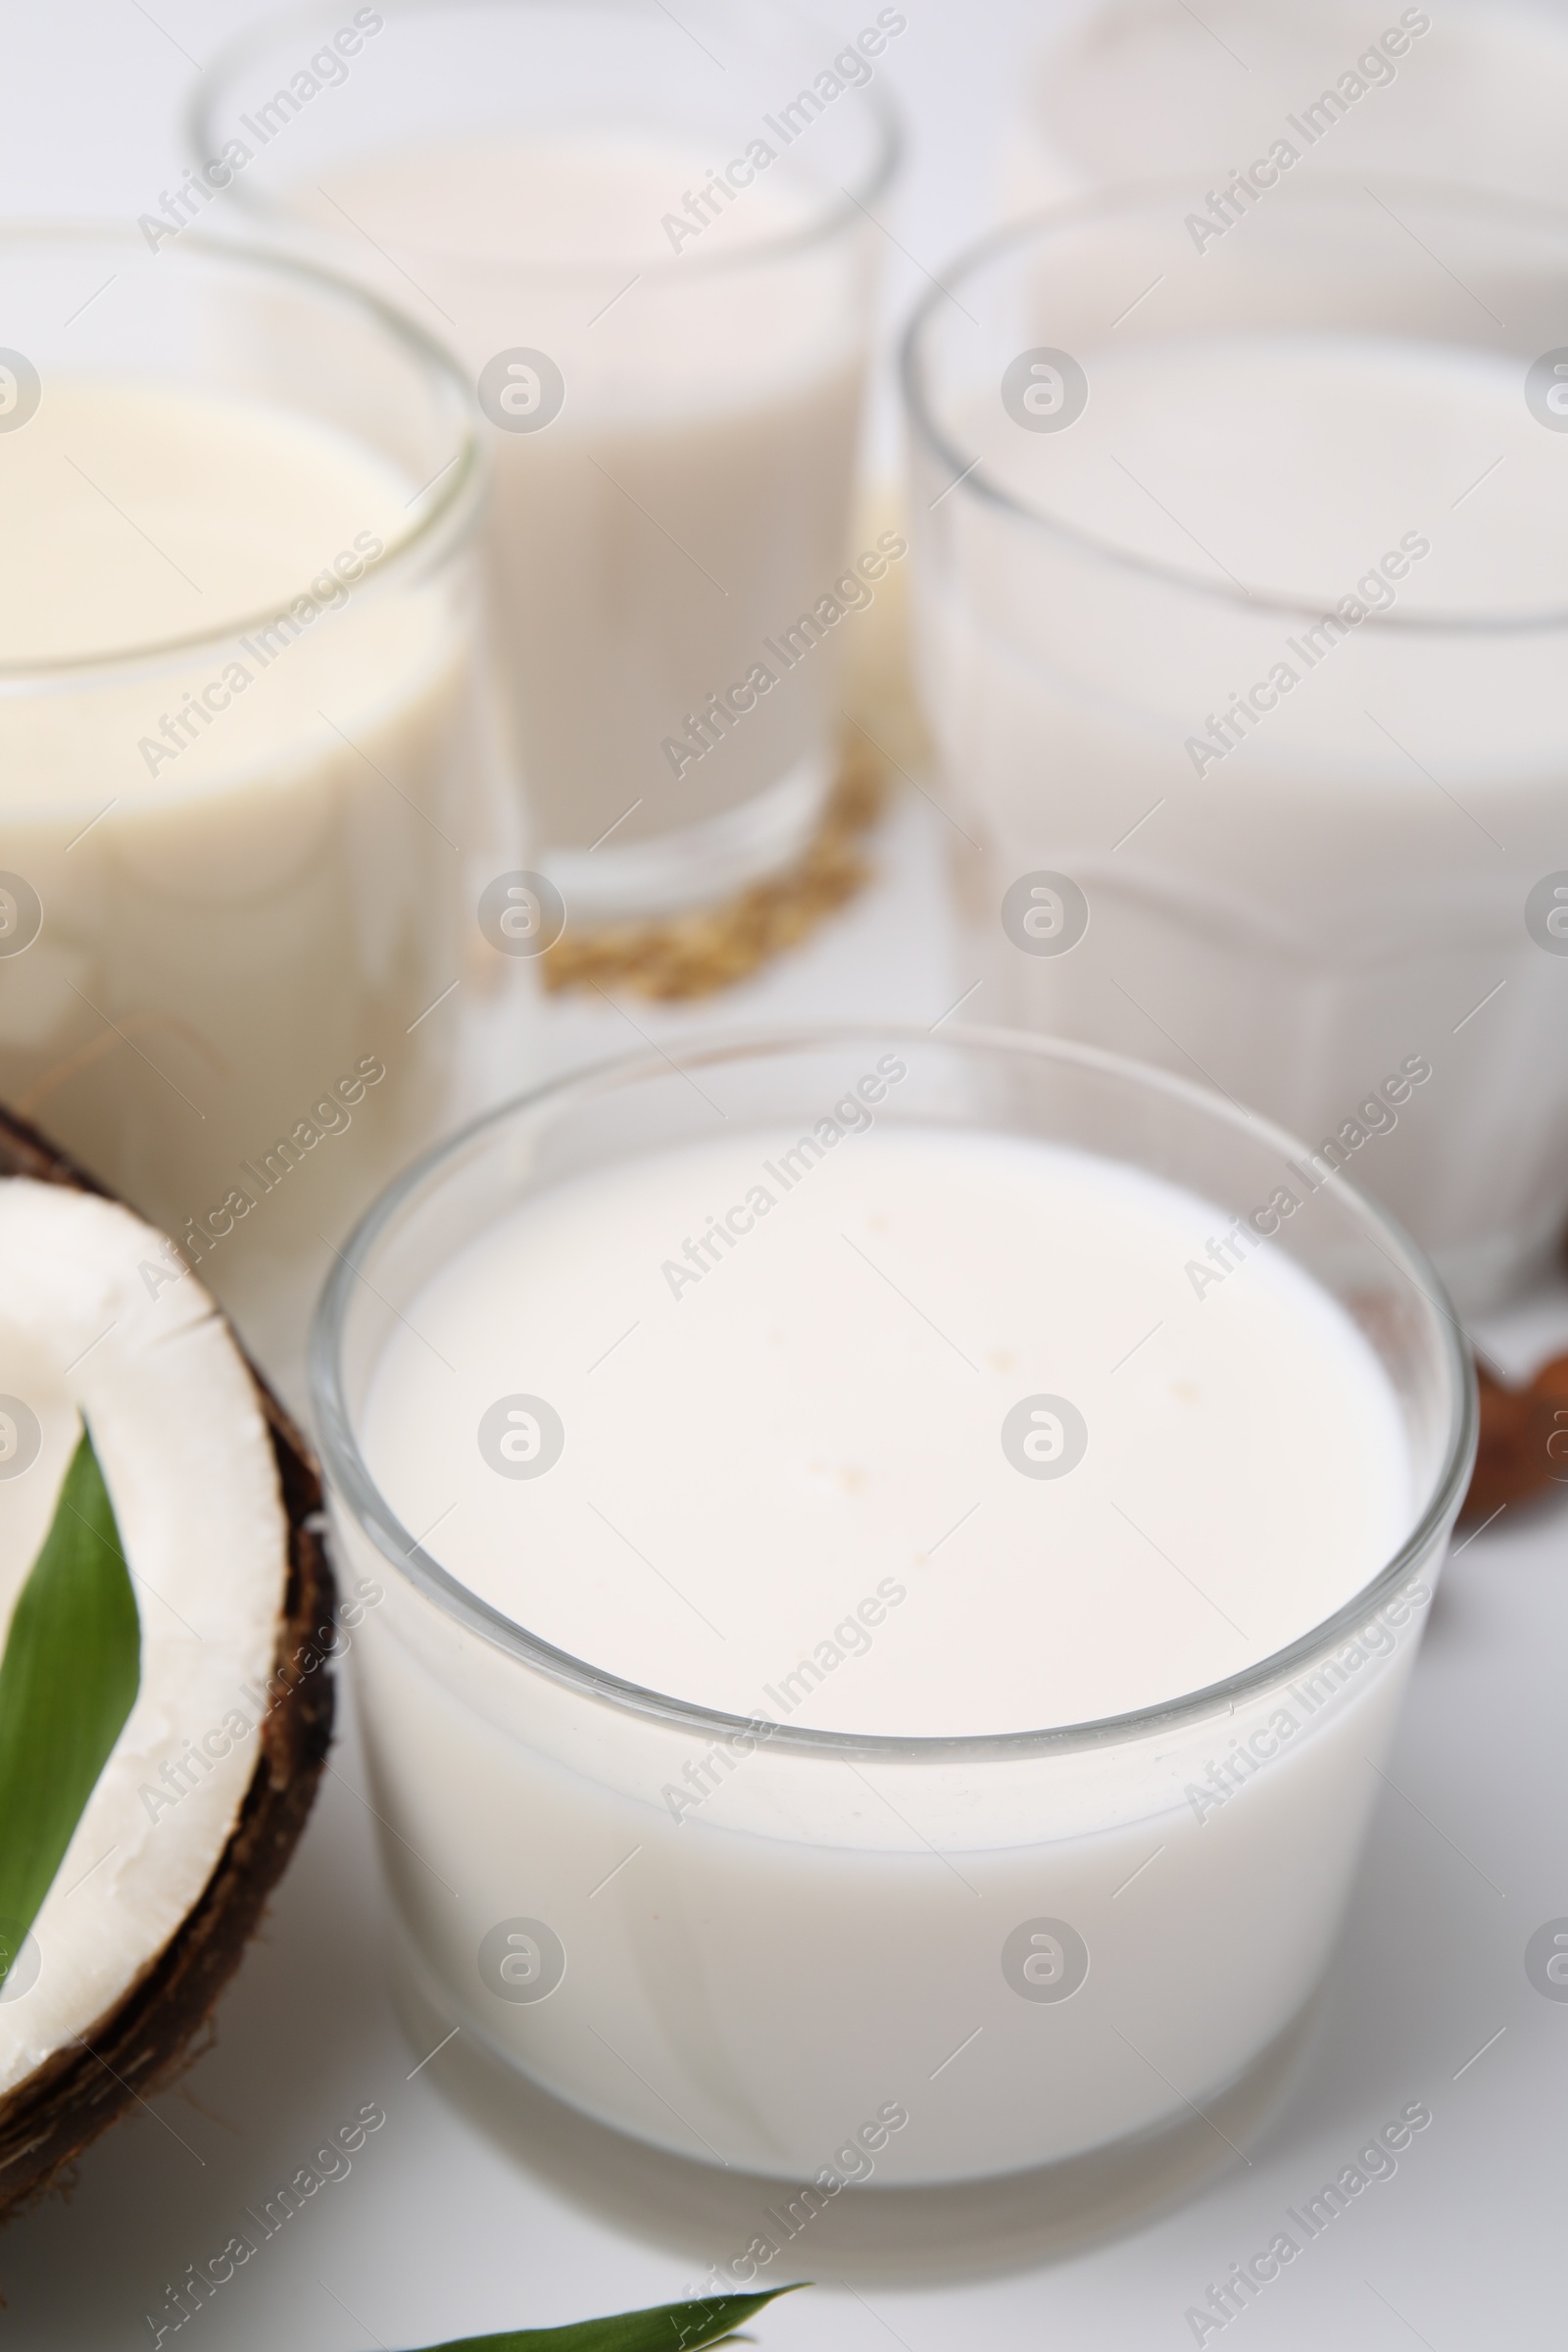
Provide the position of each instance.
(460, 2215)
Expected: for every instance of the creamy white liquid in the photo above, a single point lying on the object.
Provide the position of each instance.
(817, 1420)
(690, 497)
(1342, 884)
(740, 1951)
(249, 859)
(139, 512)
(560, 201)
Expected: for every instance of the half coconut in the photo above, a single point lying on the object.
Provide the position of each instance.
(204, 1794)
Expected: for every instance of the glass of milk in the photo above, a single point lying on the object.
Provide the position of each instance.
(897, 1559)
(649, 234)
(1143, 89)
(1242, 595)
(245, 758)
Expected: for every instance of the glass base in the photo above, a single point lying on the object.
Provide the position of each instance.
(699, 864)
(873, 2238)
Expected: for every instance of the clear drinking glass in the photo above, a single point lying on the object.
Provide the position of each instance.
(1241, 599)
(647, 233)
(237, 850)
(794, 1958)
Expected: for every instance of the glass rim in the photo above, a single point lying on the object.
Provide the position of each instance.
(200, 134)
(352, 1484)
(1326, 191)
(453, 509)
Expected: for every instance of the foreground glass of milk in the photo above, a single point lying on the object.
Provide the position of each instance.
(245, 761)
(1143, 89)
(900, 1565)
(1242, 605)
(646, 232)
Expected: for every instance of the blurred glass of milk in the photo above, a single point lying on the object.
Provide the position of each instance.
(248, 769)
(1141, 89)
(1242, 606)
(650, 244)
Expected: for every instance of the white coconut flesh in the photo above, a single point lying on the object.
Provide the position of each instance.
(96, 1325)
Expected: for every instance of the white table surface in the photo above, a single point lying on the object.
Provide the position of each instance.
(463, 2215)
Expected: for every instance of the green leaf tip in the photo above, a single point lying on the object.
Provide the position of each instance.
(666, 2327)
(67, 1681)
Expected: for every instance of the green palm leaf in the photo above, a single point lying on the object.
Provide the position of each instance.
(67, 1681)
(667, 2327)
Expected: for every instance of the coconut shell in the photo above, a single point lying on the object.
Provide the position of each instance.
(1524, 1439)
(50, 2117)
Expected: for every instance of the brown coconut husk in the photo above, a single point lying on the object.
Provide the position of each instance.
(135, 2049)
(1523, 1454)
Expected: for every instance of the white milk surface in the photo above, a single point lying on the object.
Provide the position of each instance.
(139, 512)
(1285, 465)
(790, 1465)
(565, 200)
